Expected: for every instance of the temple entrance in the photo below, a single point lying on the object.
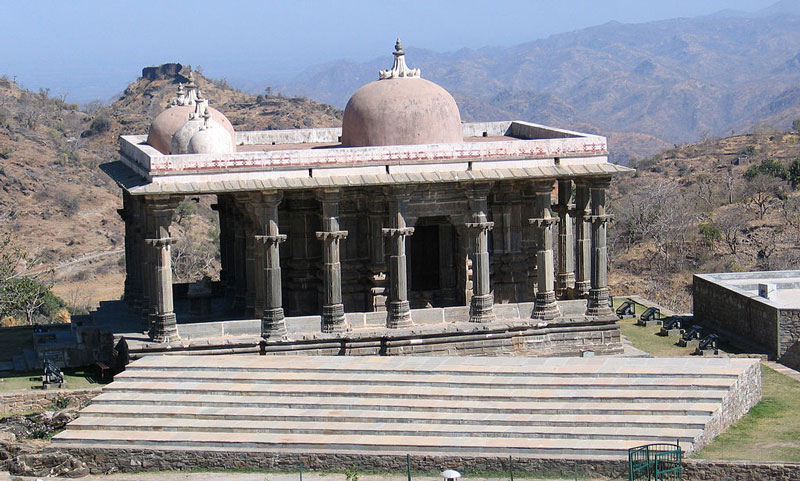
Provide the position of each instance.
(432, 253)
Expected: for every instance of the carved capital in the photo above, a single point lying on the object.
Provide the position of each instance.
(270, 240)
(480, 226)
(162, 242)
(336, 234)
(392, 232)
(543, 221)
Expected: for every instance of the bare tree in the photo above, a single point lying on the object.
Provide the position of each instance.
(731, 224)
(704, 190)
(762, 193)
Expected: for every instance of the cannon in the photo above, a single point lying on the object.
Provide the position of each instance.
(650, 316)
(708, 345)
(691, 338)
(673, 325)
(52, 375)
(627, 310)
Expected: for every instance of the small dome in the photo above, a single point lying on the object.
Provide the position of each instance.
(211, 139)
(180, 141)
(169, 121)
(401, 109)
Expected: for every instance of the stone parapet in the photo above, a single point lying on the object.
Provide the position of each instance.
(20, 402)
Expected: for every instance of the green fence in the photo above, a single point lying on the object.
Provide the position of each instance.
(655, 462)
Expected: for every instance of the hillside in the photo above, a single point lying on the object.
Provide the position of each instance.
(57, 202)
(647, 86)
(713, 206)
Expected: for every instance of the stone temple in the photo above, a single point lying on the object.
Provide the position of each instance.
(406, 231)
(404, 208)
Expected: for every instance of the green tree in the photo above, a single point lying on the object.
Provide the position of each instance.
(796, 125)
(22, 291)
(794, 173)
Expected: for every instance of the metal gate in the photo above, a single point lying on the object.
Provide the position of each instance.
(655, 462)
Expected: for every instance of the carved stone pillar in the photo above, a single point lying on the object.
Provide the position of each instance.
(598, 294)
(272, 319)
(480, 305)
(133, 281)
(163, 325)
(545, 306)
(583, 249)
(399, 312)
(331, 235)
(238, 260)
(530, 240)
(565, 282)
(377, 257)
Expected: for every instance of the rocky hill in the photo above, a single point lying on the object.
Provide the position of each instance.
(59, 205)
(729, 204)
(647, 86)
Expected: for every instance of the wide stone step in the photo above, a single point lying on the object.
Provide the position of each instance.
(408, 417)
(333, 443)
(564, 406)
(435, 366)
(437, 380)
(420, 392)
(147, 423)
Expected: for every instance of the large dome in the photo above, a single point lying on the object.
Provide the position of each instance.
(169, 121)
(401, 109)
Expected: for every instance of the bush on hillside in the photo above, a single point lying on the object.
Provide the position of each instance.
(768, 167)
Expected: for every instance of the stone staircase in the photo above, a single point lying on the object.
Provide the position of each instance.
(449, 406)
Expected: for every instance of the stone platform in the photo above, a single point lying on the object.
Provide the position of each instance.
(445, 407)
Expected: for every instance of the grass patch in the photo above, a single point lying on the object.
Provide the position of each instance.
(770, 431)
(75, 378)
(647, 338)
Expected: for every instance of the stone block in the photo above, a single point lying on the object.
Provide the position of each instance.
(200, 330)
(250, 327)
(506, 311)
(456, 314)
(428, 316)
(295, 325)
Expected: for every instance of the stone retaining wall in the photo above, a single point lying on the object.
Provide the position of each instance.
(19, 402)
(130, 460)
(715, 470)
(743, 395)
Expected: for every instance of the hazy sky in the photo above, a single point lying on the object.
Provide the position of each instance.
(93, 49)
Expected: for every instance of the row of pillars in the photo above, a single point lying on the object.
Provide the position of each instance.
(583, 258)
(582, 264)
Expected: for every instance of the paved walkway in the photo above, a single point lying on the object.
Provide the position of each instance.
(783, 370)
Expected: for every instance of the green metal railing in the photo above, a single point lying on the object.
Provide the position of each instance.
(655, 462)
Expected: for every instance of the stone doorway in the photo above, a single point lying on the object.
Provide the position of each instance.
(432, 259)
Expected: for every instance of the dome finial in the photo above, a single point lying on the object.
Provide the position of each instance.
(399, 68)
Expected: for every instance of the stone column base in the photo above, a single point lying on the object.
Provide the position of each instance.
(480, 308)
(598, 303)
(399, 316)
(333, 318)
(564, 285)
(582, 289)
(273, 325)
(545, 307)
(164, 328)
